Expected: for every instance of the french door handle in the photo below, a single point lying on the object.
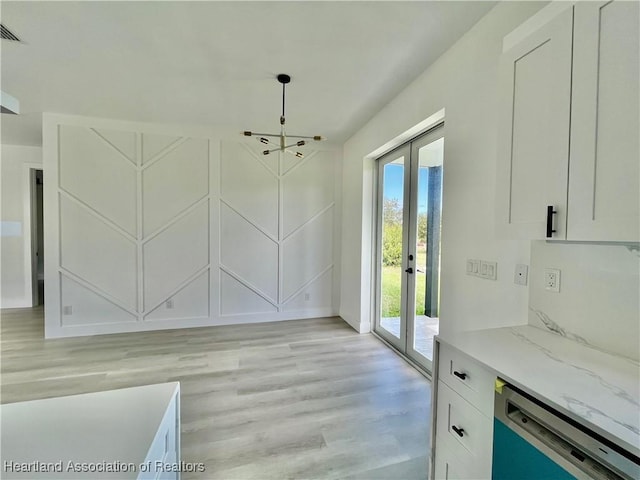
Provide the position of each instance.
(459, 431)
(409, 270)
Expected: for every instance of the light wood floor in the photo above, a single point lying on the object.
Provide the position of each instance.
(298, 399)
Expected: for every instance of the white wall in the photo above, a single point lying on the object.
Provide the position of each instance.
(599, 294)
(464, 83)
(152, 227)
(15, 287)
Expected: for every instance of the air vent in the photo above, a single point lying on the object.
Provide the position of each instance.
(8, 34)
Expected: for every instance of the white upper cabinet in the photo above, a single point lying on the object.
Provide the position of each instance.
(604, 164)
(533, 148)
(568, 132)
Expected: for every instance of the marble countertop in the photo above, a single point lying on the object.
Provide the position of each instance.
(595, 388)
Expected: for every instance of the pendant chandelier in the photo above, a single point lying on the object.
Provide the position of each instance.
(281, 139)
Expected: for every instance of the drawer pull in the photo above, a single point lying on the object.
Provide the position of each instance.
(461, 376)
(459, 431)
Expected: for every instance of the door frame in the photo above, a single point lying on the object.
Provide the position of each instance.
(432, 135)
(410, 151)
(29, 236)
(405, 151)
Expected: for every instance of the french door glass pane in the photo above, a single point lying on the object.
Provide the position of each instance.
(427, 247)
(392, 228)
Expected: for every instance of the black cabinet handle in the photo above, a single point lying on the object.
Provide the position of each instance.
(550, 213)
(459, 431)
(461, 376)
(409, 270)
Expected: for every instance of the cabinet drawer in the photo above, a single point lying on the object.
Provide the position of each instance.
(463, 430)
(468, 378)
(450, 466)
(446, 467)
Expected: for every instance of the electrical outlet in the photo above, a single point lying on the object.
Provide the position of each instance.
(307, 297)
(67, 310)
(552, 279)
(521, 274)
(169, 304)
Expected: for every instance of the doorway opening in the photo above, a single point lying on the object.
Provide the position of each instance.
(36, 184)
(409, 212)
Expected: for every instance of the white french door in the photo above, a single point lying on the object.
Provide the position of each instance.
(409, 206)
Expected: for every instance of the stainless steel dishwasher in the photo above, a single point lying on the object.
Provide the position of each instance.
(534, 441)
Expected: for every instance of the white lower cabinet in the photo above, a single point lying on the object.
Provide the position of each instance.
(130, 433)
(462, 433)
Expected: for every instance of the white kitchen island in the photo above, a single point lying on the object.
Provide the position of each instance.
(131, 433)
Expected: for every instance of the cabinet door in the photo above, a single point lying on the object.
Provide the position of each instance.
(533, 141)
(604, 198)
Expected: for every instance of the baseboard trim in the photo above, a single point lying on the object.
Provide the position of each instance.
(57, 331)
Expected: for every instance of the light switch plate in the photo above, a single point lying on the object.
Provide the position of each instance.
(476, 267)
(469, 267)
(492, 270)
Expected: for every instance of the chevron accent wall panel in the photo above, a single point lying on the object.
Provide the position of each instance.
(89, 307)
(134, 228)
(307, 190)
(152, 229)
(276, 231)
(250, 186)
(175, 255)
(97, 253)
(173, 182)
(93, 170)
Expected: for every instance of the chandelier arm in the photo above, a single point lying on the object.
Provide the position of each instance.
(273, 143)
(295, 154)
(256, 134)
(312, 137)
(267, 152)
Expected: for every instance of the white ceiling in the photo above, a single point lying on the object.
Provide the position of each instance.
(214, 63)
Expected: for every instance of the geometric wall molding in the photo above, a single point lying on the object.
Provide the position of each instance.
(249, 187)
(315, 294)
(307, 190)
(276, 229)
(152, 145)
(126, 143)
(175, 181)
(307, 253)
(87, 306)
(155, 230)
(97, 253)
(248, 253)
(98, 175)
(191, 301)
(236, 298)
(134, 226)
(175, 255)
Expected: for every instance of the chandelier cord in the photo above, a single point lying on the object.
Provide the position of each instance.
(283, 95)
